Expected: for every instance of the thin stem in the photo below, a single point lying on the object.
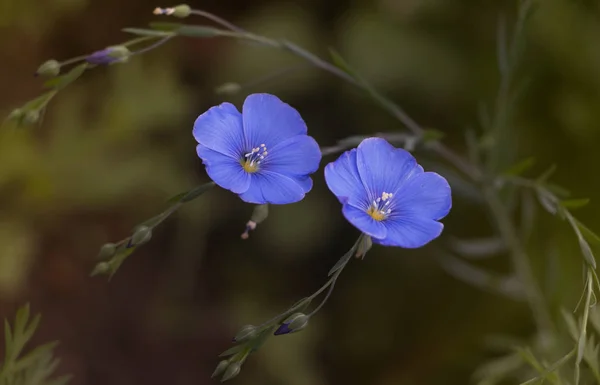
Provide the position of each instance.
(520, 261)
(138, 40)
(217, 20)
(584, 321)
(153, 46)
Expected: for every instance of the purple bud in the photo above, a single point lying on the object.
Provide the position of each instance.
(283, 329)
(294, 323)
(108, 55)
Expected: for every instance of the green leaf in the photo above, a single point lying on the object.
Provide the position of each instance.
(39, 102)
(34, 355)
(147, 32)
(588, 234)
(7, 336)
(557, 190)
(546, 174)
(198, 31)
(574, 203)
(341, 63)
(61, 82)
(432, 135)
(586, 250)
(233, 350)
(571, 323)
(520, 168)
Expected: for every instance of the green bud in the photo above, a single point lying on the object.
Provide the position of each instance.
(31, 116)
(245, 333)
(220, 368)
(119, 52)
(101, 268)
(50, 68)
(107, 250)
(228, 89)
(141, 235)
(299, 322)
(181, 11)
(232, 370)
(16, 114)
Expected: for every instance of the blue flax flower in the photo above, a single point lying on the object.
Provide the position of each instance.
(388, 196)
(262, 154)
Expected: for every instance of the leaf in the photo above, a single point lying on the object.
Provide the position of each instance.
(61, 82)
(587, 233)
(547, 202)
(546, 174)
(341, 63)
(198, 31)
(574, 203)
(432, 135)
(586, 250)
(34, 355)
(520, 168)
(148, 32)
(232, 350)
(571, 323)
(341, 262)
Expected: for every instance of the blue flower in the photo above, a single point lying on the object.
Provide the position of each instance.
(263, 154)
(388, 196)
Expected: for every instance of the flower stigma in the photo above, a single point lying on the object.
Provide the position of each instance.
(379, 209)
(252, 160)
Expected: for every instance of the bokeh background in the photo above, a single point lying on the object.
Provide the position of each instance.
(117, 143)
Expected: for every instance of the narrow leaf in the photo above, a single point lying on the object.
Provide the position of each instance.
(147, 32)
(197, 31)
(520, 168)
(232, 350)
(340, 62)
(587, 233)
(61, 82)
(574, 203)
(432, 135)
(546, 174)
(586, 250)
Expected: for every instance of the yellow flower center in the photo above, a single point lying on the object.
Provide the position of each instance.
(251, 161)
(379, 209)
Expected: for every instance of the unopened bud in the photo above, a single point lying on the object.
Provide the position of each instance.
(109, 55)
(220, 368)
(181, 11)
(101, 268)
(228, 89)
(245, 333)
(107, 250)
(16, 114)
(232, 370)
(50, 68)
(294, 323)
(31, 116)
(141, 235)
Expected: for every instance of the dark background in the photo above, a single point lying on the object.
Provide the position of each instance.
(117, 143)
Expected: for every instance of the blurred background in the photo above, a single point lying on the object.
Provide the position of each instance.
(117, 143)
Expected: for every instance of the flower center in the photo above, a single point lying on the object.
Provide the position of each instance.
(251, 161)
(379, 209)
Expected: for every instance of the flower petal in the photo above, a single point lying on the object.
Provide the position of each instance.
(382, 167)
(224, 170)
(364, 222)
(344, 181)
(298, 155)
(426, 195)
(268, 120)
(220, 129)
(270, 187)
(410, 232)
(305, 182)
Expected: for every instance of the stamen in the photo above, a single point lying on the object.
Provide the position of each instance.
(378, 210)
(252, 160)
